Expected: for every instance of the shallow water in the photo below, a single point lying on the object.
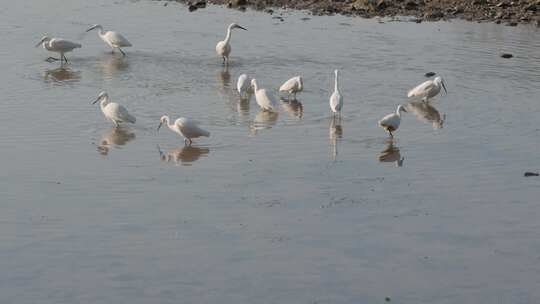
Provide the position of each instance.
(286, 208)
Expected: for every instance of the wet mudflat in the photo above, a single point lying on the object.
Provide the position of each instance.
(272, 208)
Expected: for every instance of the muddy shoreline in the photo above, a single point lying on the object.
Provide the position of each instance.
(498, 11)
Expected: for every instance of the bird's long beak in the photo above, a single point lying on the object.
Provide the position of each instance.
(93, 27)
(160, 123)
(444, 87)
(245, 29)
(40, 42)
(404, 110)
(96, 100)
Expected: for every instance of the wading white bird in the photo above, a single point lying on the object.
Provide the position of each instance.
(58, 45)
(113, 39)
(187, 128)
(292, 86)
(336, 100)
(113, 111)
(243, 86)
(428, 89)
(264, 99)
(223, 48)
(391, 121)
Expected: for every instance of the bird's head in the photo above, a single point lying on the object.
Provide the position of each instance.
(401, 108)
(162, 120)
(234, 25)
(95, 26)
(43, 40)
(439, 80)
(101, 96)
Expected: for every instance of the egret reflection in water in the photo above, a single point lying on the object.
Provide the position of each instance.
(224, 77)
(263, 120)
(293, 107)
(426, 112)
(113, 65)
(391, 154)
(183, 155)
(335, 133)
(114, 136)
(61, 74)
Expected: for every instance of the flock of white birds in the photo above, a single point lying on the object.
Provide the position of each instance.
(189, 129)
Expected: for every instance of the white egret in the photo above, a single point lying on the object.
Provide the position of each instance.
(264, 99)
(292, 86)
(223, 48)
(336, 100)
(243, 86)
(113, 39)
(113, 111)
(58, 45)
(428, 89)
(187, 128)
(391, 121)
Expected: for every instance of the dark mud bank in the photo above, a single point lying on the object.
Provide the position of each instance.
(499, 11)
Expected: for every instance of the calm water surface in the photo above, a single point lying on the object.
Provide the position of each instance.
(284, 208)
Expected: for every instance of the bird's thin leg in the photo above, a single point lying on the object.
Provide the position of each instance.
(65, 58)
(185, 142)
(115, 124)
(223, 60)
(391, 136)
(51, 59)
(123, 54)
(190, 141)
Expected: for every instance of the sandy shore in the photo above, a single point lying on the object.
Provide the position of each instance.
(499, 11)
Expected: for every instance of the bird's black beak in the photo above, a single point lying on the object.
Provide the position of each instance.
(159, 126)
(444, 87)
(245, 29)
(39, 43)
(96, 100)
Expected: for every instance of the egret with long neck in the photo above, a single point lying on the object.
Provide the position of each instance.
(223, 48)
(264, 99)
(336, 100)
(58, 45)
(392, 121)
(185, 127)
(113, 111)
(113, 39)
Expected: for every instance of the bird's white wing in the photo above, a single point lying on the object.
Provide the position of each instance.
(120, 113)
(289, 84)
(242, 83)
(390, 120)
(269, 101)
(223, 49)
(116, 39)
(336, 101)
(421, 89)
(62, 44)
(190, 128)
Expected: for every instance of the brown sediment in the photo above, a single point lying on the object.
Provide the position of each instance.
(499, 11)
